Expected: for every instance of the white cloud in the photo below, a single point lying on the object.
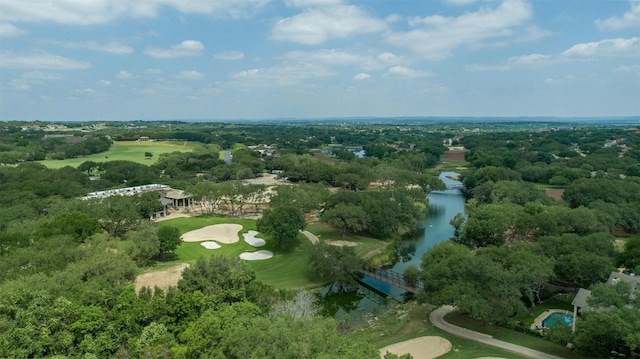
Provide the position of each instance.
(434, 37)
(39, 75)
(460, 2)
(154, 71)
(317, 25)
(189, 75)
(307, 3)
(185, 48)
(619, 47)
(104, 83)
(83, 12)
(20, 85)
(13, 60)
(361, 77)
(124, 75)
(8, 30)
(397, 72)
(630, 68)
(478, 67)
(228, 55)
(333, 57)
(112, 47)
(286, 74)
(529, 61)
(630, 18)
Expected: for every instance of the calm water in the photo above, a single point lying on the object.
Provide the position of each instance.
(443, 206)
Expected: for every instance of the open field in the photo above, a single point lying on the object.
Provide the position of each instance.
(453, 160)
(126, 150)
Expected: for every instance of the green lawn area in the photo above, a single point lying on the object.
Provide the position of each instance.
(512, 336)
(412, 322)
(126, 150)
(366, 245)
(452, 165)
(560, 301)
(287, 268)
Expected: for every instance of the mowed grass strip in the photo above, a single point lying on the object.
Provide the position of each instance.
(287, 269)
(126, 151)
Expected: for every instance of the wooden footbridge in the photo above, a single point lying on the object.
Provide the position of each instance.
(394, 278)
(455, 186)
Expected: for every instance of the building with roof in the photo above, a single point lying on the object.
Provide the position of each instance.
(580, 301)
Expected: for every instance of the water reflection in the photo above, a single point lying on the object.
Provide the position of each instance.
(443, 206)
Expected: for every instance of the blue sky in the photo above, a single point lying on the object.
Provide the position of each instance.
(254, 59)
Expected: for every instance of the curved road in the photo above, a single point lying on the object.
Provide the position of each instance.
(437, 318)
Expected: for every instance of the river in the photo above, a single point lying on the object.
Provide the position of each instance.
(443, 206)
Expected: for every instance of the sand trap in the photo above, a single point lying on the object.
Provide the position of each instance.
(256, 256)
(162, 279)
(420, 348)
(210, 245)
(222, 233)
(250, 237)
(341, 243)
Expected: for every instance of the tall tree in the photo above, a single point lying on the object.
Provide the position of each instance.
(347, 217)
(282, 224)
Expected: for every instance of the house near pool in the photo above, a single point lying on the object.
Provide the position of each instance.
(580, 301)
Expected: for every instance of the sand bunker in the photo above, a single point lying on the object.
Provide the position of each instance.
(162, 279)
(341, 243)
(222, 233)
(420, 348)
(256, 256)
(210, 245)
(250, 237)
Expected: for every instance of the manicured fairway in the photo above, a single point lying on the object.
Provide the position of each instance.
(287, 268)
(126, 150)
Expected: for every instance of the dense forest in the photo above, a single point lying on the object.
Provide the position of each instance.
(68, 265)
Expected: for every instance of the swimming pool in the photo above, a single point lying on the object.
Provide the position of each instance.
(557, 318)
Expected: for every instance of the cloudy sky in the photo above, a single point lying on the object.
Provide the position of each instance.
(245, 59)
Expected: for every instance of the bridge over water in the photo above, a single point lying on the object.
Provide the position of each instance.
(455, 186)
(394, 278)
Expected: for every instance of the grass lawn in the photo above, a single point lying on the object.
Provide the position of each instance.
(511, 336)
(287, 268)
(126, 150)
(560, 301)
(366, 245)
(453, 166)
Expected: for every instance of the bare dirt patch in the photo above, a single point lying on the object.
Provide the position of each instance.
(555, 193)
(456, 155)
(162, 279)
(428, 347)
(222, 233)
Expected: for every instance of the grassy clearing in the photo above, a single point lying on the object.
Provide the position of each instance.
(366, 245)
(287, 269)
(511, 336)
(126, 150)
